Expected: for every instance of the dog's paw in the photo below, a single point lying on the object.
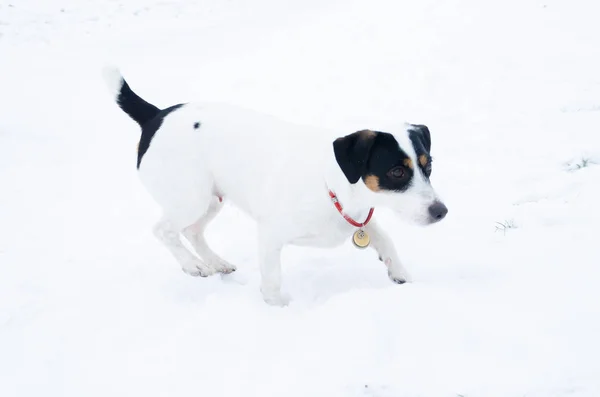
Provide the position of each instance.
(198, 268)
(397, 273)
(396, 279)
(277, 299)
(222, 266)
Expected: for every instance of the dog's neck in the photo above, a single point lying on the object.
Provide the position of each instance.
(354, 198)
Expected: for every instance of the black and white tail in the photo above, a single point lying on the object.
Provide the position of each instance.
(137, 108)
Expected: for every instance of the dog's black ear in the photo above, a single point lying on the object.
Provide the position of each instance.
(352, 151)
(423, 133)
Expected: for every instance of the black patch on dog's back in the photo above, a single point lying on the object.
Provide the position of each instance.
(150, 128)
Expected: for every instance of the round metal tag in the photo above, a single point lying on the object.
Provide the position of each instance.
(361, 239)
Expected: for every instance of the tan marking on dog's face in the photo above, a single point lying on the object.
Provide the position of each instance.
(372, 183)
(408, 163)
(366, 134)
(423, 160)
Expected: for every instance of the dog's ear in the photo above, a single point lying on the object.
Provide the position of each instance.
(423, 133)
(352, 151)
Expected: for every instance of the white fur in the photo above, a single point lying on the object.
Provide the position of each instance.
(277, 172)
(112, 79)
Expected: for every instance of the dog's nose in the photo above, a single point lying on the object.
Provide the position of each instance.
(438, 211)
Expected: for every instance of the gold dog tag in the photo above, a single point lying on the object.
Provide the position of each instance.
(361, 239)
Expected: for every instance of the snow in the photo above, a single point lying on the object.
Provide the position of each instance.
(92, 305)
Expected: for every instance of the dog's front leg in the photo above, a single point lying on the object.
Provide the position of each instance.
(270, 269)
(384, 246)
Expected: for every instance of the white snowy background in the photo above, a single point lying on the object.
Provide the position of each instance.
(92, 305)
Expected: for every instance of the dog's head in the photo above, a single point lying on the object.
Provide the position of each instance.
(395, 170)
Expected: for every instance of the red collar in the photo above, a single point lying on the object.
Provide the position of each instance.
(346, 217)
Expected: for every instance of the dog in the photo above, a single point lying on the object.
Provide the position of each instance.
(304, 186)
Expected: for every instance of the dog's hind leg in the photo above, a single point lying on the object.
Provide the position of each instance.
(195, 235)
(168, 232)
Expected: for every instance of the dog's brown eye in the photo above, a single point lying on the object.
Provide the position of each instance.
(397, 172)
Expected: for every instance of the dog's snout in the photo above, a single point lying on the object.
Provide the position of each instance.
(438, 211)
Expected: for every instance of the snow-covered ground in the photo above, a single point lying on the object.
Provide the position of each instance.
(505, 300)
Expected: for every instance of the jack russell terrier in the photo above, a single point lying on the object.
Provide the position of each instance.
(302, 185)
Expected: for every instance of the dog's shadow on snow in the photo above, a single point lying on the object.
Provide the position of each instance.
(313, 276)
